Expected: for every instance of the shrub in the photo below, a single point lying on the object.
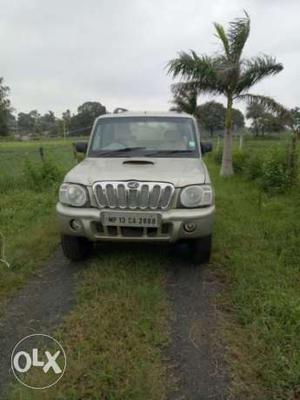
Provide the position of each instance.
(42, 175)
(239, 159)
(292, 162)
(253, 166)
(217, 156)
(270, 169)
(274, 173)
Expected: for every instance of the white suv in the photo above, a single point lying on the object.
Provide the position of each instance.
(142, 179)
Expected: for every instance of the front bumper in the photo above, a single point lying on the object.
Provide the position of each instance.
(171, 229)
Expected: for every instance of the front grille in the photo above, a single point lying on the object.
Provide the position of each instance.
(133, 195)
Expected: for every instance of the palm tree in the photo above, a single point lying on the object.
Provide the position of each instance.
(227, 73)
(184, 99)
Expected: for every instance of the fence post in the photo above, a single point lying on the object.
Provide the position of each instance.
(75, 152)
(241, 141)
(42, 155)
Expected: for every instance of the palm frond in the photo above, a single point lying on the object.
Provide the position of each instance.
(221, 34)
(269, 104)
(237, 34)
(185, 97)
(183, 87)
(255, 70)
(227, 71)
(192, 67)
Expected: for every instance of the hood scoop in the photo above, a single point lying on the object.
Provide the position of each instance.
(138, 162)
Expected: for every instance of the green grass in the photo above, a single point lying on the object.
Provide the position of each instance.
(28, 224)
(258, 249)
(27, 213)
(115, 334)
(113, 339)
(13, 157)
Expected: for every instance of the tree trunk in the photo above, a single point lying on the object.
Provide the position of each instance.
(227, 168)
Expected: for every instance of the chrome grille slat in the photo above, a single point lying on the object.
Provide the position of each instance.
(121, 192)
(154, 198)
(165, 196)
(147, 195)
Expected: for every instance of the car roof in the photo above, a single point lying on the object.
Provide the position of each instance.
(146, 114)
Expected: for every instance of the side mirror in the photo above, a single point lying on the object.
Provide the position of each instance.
(206, 147)
(81, 147)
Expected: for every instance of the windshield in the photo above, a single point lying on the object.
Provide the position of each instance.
(144, 136)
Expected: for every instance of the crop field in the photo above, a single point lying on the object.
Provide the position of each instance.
(121, 298)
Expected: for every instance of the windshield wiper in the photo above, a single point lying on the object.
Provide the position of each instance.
(117, 151)
(169, 152)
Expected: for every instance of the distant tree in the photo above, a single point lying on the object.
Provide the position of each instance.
(255, 111)
(270, 123)
(65, 122)
(11, 121)
(48, 118)
(36, 118)
(227, 73)
(238, 119)
(184, 99)
(86, 115)
(49, 124)
(30, 122)
(211, 116)
(294, 121)
(5, 109)
(25, 122)
(264, 121)
(291, 119)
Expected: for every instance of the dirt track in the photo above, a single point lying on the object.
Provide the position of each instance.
(38, 308)
(196, 353)
(193, 356)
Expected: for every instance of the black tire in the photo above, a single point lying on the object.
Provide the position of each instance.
(200, 249)
(76, 248)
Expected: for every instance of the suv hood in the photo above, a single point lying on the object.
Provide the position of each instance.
(179, 171)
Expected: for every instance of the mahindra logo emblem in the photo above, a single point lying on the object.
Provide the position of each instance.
(133, 185)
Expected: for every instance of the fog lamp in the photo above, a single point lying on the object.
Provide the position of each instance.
(190, 227)
(75, 225)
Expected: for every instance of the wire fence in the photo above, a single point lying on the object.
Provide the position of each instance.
(14, 155)
(14, 158)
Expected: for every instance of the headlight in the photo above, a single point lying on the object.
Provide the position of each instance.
(73, 195)
(196, 196)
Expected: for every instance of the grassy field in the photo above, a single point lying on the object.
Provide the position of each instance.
(119, 325)
(258, 250)
(113, 338)
(13, 156)
(27, 217)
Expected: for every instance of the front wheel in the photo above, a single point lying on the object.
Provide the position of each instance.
(200, 249)
(76, 248)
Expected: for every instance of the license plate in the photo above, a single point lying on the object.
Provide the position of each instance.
(130, 219)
